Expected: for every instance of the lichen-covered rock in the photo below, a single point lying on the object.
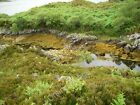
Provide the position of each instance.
(80, 38)
(134, 36)
(130, 43)
(135, 41)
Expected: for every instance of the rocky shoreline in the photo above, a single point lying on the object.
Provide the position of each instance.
(45, 45)
(74, 38)
(130, 43)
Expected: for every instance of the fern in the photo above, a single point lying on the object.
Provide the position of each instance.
(38, 88)
(120, 100)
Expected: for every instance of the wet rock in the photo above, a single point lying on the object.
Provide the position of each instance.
(5, 32)
(80, 38)
(134, 36)
(25, 31)
(14, 33)
(133, 44)
(76, 41)
(62, 34)
(139, 46)
(128, 47)
(122, 44)
(55, 32)
(112, 41)
(135, 41)
(134, 47)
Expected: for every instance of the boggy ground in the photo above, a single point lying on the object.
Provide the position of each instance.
(37, 70)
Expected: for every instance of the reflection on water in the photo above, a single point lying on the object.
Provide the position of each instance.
(17, 6)
(108, 61)
(137, 67)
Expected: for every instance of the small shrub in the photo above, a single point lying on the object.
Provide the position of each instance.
(74, 22)
(5, 22)
(14, 28)
(86, 56)
(74, 86)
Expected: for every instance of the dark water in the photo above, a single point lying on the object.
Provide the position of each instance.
(108, 61)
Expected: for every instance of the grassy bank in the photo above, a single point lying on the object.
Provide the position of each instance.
(30, 78)
(110, 18)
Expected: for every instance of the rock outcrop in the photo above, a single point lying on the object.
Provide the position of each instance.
(77, 39)
(131, 42)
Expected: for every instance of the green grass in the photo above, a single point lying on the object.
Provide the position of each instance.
(28, 78)
(120, 100)
(78, 16)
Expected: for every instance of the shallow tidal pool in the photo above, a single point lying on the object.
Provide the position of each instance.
(108, 61)
(60, 50)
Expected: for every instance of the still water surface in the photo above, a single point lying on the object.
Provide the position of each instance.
(108, 61)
